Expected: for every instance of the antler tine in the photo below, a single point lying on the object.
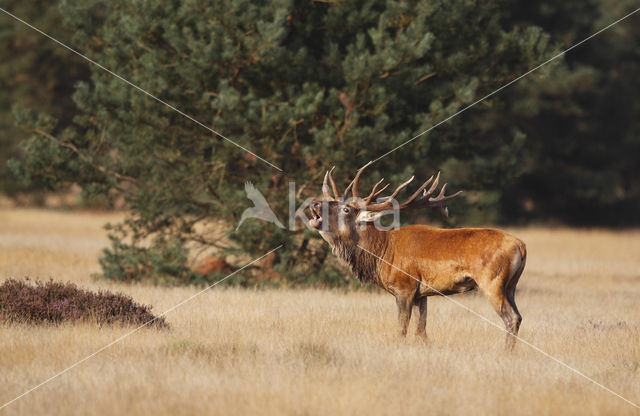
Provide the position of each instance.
(433, 187)
(325, 188)
(416, 193)
(336, 194)
(426, 201)
(373, 191)
(381, 206)
(401, 187)
(381, 190)
(438, 202)
(354, 183)
(433, 202)
(441, 198)
(346, 191)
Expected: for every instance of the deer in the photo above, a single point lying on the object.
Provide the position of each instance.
(417, 261)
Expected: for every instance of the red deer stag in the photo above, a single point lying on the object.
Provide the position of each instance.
(417, 261)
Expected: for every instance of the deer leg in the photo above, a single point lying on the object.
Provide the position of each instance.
(514, 315)
(404, 313)
(511, 318)
(421, 329)
(510, 293)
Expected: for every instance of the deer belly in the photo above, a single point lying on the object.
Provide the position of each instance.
(446, 286)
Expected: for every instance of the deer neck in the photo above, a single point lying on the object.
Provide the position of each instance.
(362, 252)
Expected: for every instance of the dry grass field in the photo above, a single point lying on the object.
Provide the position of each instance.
(233, 351)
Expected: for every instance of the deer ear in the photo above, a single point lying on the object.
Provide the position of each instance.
(369, 216)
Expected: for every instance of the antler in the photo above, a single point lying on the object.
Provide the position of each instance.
(373, 193)
(325, 187)
(354, 183)
(413, 202)
(426, 201)
(353, 186)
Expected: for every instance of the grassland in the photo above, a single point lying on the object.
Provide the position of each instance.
(233, 351)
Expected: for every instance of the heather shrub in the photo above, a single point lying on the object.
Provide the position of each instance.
(54, 302)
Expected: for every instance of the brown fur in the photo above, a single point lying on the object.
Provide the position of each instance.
(418, 261)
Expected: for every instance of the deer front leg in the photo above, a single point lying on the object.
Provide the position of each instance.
(404, 313)
(421, 329)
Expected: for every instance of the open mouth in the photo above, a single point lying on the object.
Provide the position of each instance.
(316, 221)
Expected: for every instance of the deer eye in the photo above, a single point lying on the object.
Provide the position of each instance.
(346, 210)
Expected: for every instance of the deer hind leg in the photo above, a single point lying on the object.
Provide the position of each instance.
(421, 329)
(500, 292)
(405, 304)
(510, 293)
(511, 318)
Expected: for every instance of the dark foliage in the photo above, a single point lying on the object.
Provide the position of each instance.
(310, 84)
(55, 302)
(302, 84)
(35, 75)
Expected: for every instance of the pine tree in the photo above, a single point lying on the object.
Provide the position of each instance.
(581, 123)
(33, 74)
(303, 85)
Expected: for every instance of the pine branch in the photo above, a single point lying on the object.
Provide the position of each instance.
(90, 162)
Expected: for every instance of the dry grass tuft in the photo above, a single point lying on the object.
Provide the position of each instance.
(233, 351)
